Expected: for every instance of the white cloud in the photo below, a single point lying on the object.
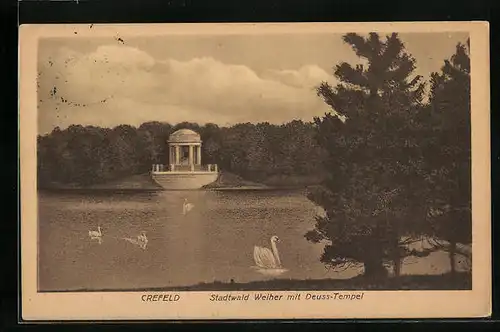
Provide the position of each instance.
(138, 88)
(306, 77)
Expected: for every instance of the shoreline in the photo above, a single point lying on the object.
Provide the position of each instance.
(144, 183)
(462, 281)
(145, 190)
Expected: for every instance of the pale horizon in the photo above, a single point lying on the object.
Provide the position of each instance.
(217, 79)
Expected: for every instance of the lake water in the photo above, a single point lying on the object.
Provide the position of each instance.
(213, 242)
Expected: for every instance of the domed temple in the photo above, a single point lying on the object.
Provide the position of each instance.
(184, 170)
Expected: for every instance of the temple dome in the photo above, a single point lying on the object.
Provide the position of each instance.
(184, 136)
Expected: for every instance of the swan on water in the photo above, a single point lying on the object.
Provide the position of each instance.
(186, 207)
(268, 262)
(141, 241)
(96, 235)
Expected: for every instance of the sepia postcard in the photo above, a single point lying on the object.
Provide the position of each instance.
(255, 171)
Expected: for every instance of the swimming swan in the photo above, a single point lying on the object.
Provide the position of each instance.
(141, 241)
(96, 235)
(186, 207)
(268, 262)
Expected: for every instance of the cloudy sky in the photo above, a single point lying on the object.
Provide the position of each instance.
(219, 79)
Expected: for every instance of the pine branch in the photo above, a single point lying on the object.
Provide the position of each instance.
(356, 76)
(391, 50)
(460, 59)
(404, 66)
(375, 44)
(359, 44)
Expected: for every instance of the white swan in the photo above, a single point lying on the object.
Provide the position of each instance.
(141, 241)
(186, 207)
(268, 262)
(96, 235)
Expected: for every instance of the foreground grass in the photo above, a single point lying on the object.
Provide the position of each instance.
(410, 282)
(461, 281)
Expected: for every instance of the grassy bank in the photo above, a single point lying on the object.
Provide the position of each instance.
(226, 181)
(134, 182)
(230, 181)
(408, 282)
(461, 281)
(140, 182)
(294, 181)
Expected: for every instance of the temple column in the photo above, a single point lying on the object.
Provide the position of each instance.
(198, 152)
(177, 155)
(191, 155)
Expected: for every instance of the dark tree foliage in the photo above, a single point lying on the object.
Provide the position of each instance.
(449, 175)
(83, 156)
(374, 159)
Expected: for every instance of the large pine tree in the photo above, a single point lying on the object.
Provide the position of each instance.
(449, 155)
(374, 159)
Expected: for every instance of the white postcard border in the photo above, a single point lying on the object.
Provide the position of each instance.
(197, 305)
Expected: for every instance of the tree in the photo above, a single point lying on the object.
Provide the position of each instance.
(159, 133)
(373, 159)
(210, 134)
(449, 159)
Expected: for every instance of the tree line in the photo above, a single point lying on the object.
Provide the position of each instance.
(400, 163)
(86, 155)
